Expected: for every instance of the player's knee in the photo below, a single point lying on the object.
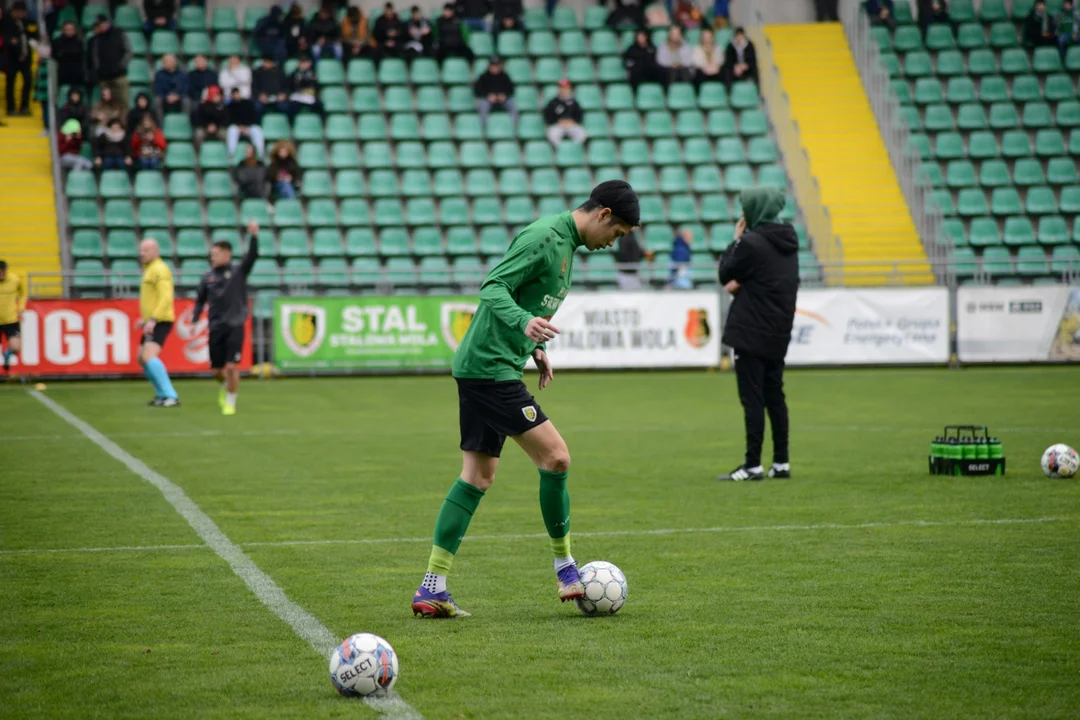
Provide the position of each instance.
(480, 478)
(558, 461)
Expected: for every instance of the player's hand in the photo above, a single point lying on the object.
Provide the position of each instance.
(139, 324)
(540, 330)
(543, 364)
(732, 286)
(148, 326)
(740, 228)
(253, 227)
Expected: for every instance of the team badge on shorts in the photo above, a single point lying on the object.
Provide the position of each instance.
(529, 411)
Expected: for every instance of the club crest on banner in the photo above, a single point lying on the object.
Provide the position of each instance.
(303, 328)
(454, 321)
(697, 327)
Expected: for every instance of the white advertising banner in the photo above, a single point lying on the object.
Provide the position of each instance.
(637, 330)
(1018, 324)
(848, 326)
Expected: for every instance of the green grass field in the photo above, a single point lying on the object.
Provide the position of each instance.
(861, 588)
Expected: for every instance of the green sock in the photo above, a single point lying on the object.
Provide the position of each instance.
(555, 507)
(453, 521)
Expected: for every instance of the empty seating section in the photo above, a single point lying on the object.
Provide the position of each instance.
(404, 186)
(997, 128)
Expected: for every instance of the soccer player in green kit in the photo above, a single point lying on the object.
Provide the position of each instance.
(517, 301)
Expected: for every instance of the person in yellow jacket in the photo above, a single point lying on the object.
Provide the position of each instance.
(156, 317)
(12, 304)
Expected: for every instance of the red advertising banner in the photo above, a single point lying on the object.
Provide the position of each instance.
(99, 337)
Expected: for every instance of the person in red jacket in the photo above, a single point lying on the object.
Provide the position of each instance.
(148, 144)
(69, 145)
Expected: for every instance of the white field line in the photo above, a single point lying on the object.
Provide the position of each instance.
(540, 536)
(303, 623)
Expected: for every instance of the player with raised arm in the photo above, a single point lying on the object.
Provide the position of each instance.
(12, 304)
(224, 286)
(517, 301)
(156, 318)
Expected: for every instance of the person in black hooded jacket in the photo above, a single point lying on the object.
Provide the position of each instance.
(69, 52)
(761, 269)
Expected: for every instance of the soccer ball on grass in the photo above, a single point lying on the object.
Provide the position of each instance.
(605, 588)
(363, 664)
(1060, 461)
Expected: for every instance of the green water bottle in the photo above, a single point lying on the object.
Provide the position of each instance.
(995, 452)
(953, 452)
(940, 455)
(982, 449)
(968, 445)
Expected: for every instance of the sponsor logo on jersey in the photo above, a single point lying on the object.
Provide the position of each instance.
(563, 271)
(697, 327)
(455, 320)
(529, 411)
(303, 327)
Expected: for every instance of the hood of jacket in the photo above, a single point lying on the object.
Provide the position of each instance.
(761, 204)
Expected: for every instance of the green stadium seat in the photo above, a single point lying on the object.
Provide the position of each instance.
(519, 210)
(513, 181)
(1046, 60)
(121, 244)
(993, 89)
(177, 126)
(460, 241)
(673, 179)
(216, 184)
(595, 20)
(690, 123)
(468, 127)
(293, 243)
(681, 96)
(479, 183)
(326, 243)
(89, 274)
(321, 212)
(909, 115)
(349, 183)
(387, 212)
(317, 183)
(932, 174)
(545, 182)
(744, 95)
(992, 11)
(312, 156)
(761, 150)
(256, 209)
(971, 117)
(434, 270)
(960, 90)
(882, 37)
(950, 63)
(252, 15)
(666, 151)
(469, 271)
(275, 127)
(164, 42)
(493, 241)
(372, 127)
(538, 153)
(984, 232)
(179, 156)
(548, 71)
(1014, 61)
(308, 127)
(960, 173)
(642, 179)
(712, 96)
(714, 208)
(1059, 87)
(213, 155)
(567, 155)
(579, 70)
(600, 152)
(618, 97)
(448, 182)
(394, 242)
(971, 202)
(564, 18)
(1025, 88)
(953, 229)
(1041, 201)
(1072, 58)
(572, 44)
(1003, 116)
(1065, 259)
(411, 155)
(947, 146)
(355, 211)
(486, 211)
(982, 62)
(360, 71)
(119, 214)
(223, 19)
(610, 69)
(940, 37)
(126, 17)
(1049, 143)
(195, 43)
(706, 178)
(774, 176)
(420, 211)
(918, 64)
(970, 36)
(520, 70)
(1019, 231)
(699, 151)
(753, 122)
(397, 99)
(938, 118)
(81, 184)
(541, 43)
(944, 200)
(154, 213)
(1028, 171)
(994, 173)
(1037, 115)
(650, 96)
(1068, 114)
(906, 39)
(333, 272)
(228, 43)
(1070, 200)
(965, 261)
(1003, 35)
(682, 208)
(1062, 171)
(730, 151)
(365, 99)
(430, 99)
(499, 127)
(1016, 144)
(658, 124)
(360, 242)
(376, 155)
(191, 244)
(219, 213)
(86, 244)
(474, 154)
(1005, 201)
(891, 64)
(658, 237)
(383, 183)
(1031, 261)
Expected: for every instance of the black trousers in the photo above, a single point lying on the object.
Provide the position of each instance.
(761, 388)
(14, 69)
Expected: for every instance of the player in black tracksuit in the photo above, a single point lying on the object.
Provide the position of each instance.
(225, 287)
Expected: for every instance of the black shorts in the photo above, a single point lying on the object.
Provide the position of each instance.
(9, 331)
(226, 346)
(161, 331)
(490, 411)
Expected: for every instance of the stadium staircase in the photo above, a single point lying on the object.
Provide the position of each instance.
(30, 241)
(404, 191)
(847, 154)
(997, 126)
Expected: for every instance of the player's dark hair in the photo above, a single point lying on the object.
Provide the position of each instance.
(3, 264)
(224, 245)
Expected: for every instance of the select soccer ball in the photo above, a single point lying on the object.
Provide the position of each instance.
(605, 588)
(363, 664)
(1060, 461)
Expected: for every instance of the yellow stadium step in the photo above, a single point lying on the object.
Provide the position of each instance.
(29, 240)
(847, 154)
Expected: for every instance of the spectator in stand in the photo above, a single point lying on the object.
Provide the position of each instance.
(109, 53)
(657, 17)
(250, 175)
(70, 55)
(15, 44)
(111, 148)
(419, 39)
(284, 173)
(676, 56)
(74, 109)
(507, 15)
(160, 15)
(494, 90)
(640, 61)
(827, 10)
(324, 34)
(740, 59)
(354, 33)
(680, 261)
(687, 15)
(235, 76)
(626, 12)
(1039, 27)
(147, 144)
(211, 117)
(268, 36)
(270, 87)
(932, 12)
(69, 145)
(143, 107)
(107, 109)
(390, 33)
(451, 38)
(708, 60)
(243, 123)
(294, 27)
(473, 13)
(171, 86)
(1067, 25)
(881, 13)
(304, 90)
(202, 77)
(564, 115)
(628, 257)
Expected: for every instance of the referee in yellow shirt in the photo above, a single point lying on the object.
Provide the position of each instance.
(156, 316)
(12, 304)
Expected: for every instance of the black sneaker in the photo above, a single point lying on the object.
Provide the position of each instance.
(741, 474)
(7, 363)
(781, 474)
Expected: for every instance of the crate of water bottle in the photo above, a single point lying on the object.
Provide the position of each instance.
(966, 450)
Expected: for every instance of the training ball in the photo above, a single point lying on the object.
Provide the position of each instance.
(1060, 461)
(605, 588)
(362, 665)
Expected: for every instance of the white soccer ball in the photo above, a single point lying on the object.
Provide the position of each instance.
(605, 588)
(1060, 461)
(363, 664)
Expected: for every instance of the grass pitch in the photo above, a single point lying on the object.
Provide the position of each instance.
(863, 587)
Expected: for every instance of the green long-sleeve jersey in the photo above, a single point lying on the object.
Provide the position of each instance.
(530, 281)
